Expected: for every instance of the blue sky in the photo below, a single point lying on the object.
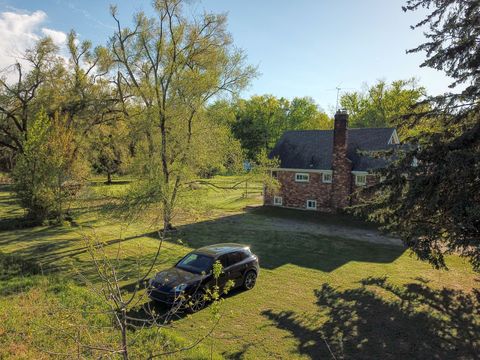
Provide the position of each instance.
(301, 47)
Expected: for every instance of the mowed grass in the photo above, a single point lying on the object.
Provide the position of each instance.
(318, 296)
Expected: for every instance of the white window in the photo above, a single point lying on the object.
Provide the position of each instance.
(360, 180)
(302, 177)
(312, 204)
(277, 201)
(327, 178)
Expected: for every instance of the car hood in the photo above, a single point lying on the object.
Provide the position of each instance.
(166, 280)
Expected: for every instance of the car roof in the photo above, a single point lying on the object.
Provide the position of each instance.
(219, 249)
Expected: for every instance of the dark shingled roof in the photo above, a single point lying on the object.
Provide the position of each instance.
(312, 149)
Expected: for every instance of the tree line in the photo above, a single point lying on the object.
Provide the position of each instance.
(259, 122)
(150, 101)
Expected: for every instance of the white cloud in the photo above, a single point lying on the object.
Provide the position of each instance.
(19, 31)
(58, 37)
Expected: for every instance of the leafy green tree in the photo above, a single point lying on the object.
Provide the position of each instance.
(171, 65)
(19, 101)
(435, 205)
(46, 173)
(84, 94)
(262, 120)
(222, 112)
(76, 91)
(110, 149)
(300, 112)
(220, 117)
(382, 105)
(320, 122)
(217, 151)
(304, 114)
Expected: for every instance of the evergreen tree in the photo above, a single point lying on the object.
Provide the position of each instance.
(435, 205)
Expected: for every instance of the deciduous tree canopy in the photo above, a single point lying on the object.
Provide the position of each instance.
(172, 65)
(259, 122)
(382, 104)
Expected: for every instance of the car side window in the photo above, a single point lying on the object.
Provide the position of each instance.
(236, 257)
(224, 260)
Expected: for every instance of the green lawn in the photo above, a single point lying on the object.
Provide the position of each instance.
(317, 294)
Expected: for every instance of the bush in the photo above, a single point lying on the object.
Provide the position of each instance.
(44, 173)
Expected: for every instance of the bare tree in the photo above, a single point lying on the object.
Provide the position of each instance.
(122, 305)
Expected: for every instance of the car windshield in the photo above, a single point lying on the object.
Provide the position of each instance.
(196, 263)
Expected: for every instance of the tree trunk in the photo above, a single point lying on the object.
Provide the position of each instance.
(109, 178)
(124, 334)
(167, 216)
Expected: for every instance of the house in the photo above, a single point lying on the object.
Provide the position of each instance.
(322, 169)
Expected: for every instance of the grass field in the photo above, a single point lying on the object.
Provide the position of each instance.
(318, 296)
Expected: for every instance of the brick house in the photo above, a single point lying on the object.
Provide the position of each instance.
(322, 169)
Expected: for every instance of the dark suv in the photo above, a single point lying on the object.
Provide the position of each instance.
(192, 276)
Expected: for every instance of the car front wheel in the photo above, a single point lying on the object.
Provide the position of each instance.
(250, 280)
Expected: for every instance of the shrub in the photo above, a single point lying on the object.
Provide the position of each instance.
(46, 167)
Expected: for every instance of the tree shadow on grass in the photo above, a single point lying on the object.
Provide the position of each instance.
(152, 313)
(239, 354)
(379, 320)
(71, 255)
(277, 247)
(17, 223)
(315, 217)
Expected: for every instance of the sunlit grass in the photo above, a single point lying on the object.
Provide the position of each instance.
(283, 316)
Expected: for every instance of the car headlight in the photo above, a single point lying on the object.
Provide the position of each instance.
(180, 288)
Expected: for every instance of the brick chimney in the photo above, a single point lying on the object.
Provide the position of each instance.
(341, 165)
(340, 133)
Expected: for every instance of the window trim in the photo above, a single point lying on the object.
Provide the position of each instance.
(311, 208)
(275, 201)
(360, 183)
(307, 175)
(323, 177)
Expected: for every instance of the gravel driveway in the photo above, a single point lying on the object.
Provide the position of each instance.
(317, 227)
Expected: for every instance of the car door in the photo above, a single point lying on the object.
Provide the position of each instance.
(224, 275)
(236, 267)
